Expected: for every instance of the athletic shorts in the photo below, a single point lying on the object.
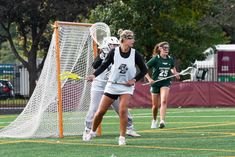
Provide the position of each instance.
(112, 96)
(156, 88)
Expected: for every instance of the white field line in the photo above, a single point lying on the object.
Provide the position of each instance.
(186, 111)
(146, 116)
(149, 114)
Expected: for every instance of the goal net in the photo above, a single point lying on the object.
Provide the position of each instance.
(49, 114)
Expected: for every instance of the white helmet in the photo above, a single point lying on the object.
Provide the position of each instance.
(109, 41)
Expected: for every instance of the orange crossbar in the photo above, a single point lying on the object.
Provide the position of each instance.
(73, 23)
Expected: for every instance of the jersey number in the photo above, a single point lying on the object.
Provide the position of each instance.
(163, 73)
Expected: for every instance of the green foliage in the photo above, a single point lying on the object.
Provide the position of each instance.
(29, 23)
(222, 16)
(153, 21)
(5, 56)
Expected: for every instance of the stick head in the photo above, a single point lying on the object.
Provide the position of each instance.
(69, 75)
(99, 31)
(187, 71)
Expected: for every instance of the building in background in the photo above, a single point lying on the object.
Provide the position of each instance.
(218, 66)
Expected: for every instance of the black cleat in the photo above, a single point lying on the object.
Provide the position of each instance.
(162, 125)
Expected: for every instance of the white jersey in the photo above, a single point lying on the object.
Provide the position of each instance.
(99, 85)
(122, 70)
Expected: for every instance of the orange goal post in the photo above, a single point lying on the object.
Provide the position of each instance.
(58, 108)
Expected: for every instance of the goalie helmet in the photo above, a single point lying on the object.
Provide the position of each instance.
(108, 43)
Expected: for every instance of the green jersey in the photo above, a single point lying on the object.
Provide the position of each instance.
(161, 68)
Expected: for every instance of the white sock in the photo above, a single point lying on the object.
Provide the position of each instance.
(92, 132)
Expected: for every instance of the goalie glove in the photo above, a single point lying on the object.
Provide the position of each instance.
(103, 55)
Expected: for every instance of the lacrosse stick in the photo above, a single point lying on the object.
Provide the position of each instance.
(183, 72)
(68, 75)
(76, 77)
(99, 31)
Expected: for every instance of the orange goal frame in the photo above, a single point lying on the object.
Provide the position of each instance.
(56, 26)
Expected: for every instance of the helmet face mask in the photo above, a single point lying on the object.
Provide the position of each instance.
(109, 43)
(111, 46)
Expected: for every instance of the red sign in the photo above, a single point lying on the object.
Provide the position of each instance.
(226, 62)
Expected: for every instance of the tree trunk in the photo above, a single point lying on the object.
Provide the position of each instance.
(32, 69)
(32, 81)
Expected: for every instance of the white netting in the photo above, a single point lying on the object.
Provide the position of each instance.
(40, 116)
(99, 31)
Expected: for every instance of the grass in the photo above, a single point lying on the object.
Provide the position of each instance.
(190, 132)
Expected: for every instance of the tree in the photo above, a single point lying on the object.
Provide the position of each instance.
(222, 16)
(5, 56)
(175, 21)
(30, 21)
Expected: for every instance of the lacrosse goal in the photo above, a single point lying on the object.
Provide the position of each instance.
(58, 108)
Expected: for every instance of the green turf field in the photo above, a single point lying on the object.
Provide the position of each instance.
(195, 132)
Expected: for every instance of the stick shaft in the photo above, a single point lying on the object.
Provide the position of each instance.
(183, 72)
(160, 79)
